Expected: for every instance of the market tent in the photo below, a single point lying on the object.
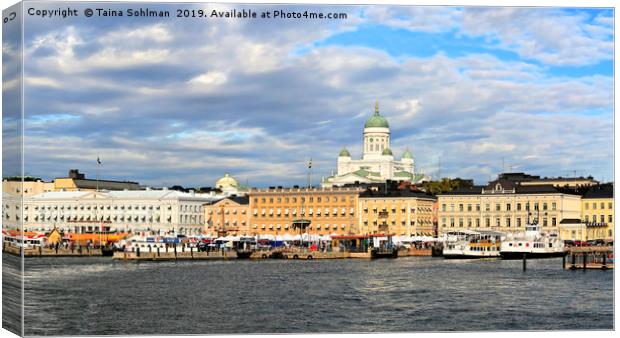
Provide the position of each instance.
(287, 237)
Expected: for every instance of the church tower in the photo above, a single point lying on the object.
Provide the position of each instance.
(376, 135)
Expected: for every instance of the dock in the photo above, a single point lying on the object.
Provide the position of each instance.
(47, 252)
(588, 257)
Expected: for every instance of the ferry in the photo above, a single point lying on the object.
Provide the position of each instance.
(533, 243)
(471, 244)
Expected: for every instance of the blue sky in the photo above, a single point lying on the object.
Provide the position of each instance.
(166, 101)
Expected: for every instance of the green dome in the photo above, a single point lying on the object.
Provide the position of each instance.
(344, 153)
(408, 154)
(376, 120)
(387, 151)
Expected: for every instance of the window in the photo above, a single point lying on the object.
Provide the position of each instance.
(610, 218)
(593, 206)
(497, 222)
(498, 207)
(508, 206)
(469, 207)
(487, 207)
(469, 222)
(593, 218)
(519, 206)
(452, 222)
(477, 222)
(536, 206)
(587, 218)
(609, 205)
(602, 205)
(518, 222)
(544, 222)
(586, 206)
(553, 206)
(460, 207)
(451, 207)
(553, 222)
(544, 206)
(508, 221)
(477, 207)
(460, 222)
(487, 222)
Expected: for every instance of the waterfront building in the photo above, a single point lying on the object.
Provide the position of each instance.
(506, 205)
(597, 216)
(91, 211)
(329, 210)
(228, 216)
(377, 163)
(396, 211)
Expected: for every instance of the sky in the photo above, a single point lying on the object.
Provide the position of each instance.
(471, 91)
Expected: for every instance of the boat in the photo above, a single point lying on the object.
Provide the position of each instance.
(471, 244)
(533, 243)
(387, 252)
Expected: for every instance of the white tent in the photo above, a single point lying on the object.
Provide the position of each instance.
(287, 237)
(221, 239)
(279, 238)
(267, 236)
(325, 238)
(297, 237)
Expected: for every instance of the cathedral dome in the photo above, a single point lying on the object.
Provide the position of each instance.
(407, 154)
(376, 120)
(344, 153)
(387, 151)
(226, 182)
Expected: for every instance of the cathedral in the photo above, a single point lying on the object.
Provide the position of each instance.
(377, 163)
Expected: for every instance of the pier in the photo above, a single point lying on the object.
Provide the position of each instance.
(48, 252)
(588, 257)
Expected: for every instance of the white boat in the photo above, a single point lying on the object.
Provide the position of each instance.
(533, 243)
(471, 244)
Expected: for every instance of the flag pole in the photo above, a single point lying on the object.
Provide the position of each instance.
(96, 206)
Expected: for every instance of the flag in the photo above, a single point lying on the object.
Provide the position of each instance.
(98, 160)
(310, 164)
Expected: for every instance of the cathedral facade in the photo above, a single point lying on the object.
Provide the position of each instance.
(377, 163)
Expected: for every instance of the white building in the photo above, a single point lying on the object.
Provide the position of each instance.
(377, 163)
(88, 211)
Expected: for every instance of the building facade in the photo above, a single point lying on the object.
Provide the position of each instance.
(377, 163)
(329, 210)
(398, 212)
(506, 206)
(597, 216)
(228, 216)
(90, 211)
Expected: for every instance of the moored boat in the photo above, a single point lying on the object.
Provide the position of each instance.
(532, 243)
(471, 244)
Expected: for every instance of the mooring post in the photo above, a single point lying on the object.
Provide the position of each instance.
(564, 261)
(585, 260)
(573, 259)
(138, 252)
(604, 260)
(524, 261)
(157, 251)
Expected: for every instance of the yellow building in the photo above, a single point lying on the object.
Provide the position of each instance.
(228, 216)
(506, 206)
(329, 210)
(77, 181)
(597, 216)
(30, 186)
(398, 212)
